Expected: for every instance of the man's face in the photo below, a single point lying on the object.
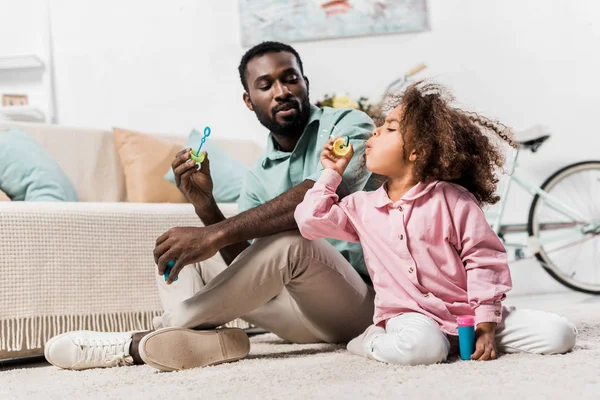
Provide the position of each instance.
(278, 93)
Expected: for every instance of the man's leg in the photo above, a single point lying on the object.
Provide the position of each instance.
(328, 299)
(281, 310)
(325, 301)
(301, 290)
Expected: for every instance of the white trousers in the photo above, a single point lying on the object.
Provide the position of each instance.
(414, 339)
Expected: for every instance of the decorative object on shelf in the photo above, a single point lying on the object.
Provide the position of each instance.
(303, 20)
(372, 109)
(14, 100)
(16, 106)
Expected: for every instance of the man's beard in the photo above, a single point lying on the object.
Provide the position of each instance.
(291, 127)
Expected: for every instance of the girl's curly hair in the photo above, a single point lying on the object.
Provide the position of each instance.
(453, 145)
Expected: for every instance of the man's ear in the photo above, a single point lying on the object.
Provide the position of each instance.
(249, 104)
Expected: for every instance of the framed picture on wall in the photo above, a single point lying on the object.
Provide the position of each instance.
(303, 20)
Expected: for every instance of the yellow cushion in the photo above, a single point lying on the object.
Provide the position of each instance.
(145, 160)
(3, 196)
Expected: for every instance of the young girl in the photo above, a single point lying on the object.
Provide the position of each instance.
(430, 252)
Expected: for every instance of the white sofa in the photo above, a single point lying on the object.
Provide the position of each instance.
(84, 265)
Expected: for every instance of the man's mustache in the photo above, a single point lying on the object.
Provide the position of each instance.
(285, 106)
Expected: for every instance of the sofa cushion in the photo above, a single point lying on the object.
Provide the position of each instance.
(227, 173)
(29, 173)
(87, 155)
(3, 196)
(146, 159)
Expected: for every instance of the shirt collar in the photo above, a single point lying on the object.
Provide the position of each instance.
(417, 191)
(273, 154)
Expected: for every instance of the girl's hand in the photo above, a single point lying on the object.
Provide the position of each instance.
(485, 345)
(330, 161)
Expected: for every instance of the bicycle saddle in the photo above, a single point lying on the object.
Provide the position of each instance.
(534, 144)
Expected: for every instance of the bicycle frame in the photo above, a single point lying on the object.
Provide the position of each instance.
(557, 205)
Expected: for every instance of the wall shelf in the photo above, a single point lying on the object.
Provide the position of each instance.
(22, 113)
(20, 62)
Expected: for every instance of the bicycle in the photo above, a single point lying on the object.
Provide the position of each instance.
(563, 223)
(555, 223)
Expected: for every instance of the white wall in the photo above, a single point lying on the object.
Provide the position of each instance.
(162, 66)
(166, 66)
(155, 66)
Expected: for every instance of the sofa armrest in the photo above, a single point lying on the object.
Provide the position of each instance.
(70, 266)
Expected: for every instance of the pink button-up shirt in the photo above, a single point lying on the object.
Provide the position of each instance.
(431, 252)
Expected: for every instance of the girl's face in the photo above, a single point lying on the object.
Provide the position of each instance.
(386, 152)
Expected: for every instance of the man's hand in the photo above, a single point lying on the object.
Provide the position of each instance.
(330, 161)
(195, 184)
(485, 345)
(186, 245)
(229, 236)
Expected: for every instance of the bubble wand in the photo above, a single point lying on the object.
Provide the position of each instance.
(199, 157)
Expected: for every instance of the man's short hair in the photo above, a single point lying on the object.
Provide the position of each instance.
(261, 49)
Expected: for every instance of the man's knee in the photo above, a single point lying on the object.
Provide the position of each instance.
(286, 249)
(284, 241)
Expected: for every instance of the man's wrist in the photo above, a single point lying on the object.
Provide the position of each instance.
(210, 213)
(220, 235)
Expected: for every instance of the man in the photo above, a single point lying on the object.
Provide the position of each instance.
(303, 291)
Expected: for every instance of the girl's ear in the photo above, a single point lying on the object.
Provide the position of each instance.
(413, 155)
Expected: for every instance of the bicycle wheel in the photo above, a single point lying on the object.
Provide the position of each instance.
(569, 249)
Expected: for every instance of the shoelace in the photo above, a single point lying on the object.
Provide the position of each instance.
(110, 352)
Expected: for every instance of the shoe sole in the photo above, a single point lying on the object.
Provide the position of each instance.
(174, 349)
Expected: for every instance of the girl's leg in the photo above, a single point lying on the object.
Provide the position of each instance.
(359, 345)
(409, 339)
(536, 332)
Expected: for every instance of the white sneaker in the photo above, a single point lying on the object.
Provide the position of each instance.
(89, 349)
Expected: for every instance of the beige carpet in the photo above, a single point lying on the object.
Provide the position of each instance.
(276, 370)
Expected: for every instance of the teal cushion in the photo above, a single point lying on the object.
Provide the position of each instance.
(227, 173)
(29, 173)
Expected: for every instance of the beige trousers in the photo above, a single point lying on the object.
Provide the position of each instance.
(303, 291)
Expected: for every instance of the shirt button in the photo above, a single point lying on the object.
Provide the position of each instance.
(410, 270)
(400, 208)
(401, 236)
(426, 295)
(497, 313)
